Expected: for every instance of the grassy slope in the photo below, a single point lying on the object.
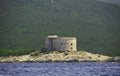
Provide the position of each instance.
(25, 23)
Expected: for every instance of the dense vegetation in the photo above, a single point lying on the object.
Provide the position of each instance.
(7, 52)
(24, 24)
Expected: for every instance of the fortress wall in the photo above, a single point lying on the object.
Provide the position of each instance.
(60, 43)
(65, 44)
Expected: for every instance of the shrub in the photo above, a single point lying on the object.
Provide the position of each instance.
(44, 50)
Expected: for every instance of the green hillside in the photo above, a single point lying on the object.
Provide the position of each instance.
(25, 23)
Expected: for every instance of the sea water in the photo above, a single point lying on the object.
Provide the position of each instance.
(60, 69)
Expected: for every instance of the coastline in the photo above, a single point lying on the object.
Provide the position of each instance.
(55, 56)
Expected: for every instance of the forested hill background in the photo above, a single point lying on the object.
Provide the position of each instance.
(111, 1)
(24, 24)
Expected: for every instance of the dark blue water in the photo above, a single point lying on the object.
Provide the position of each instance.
(60, 69)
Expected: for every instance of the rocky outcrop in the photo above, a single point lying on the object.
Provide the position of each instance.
(59, 57)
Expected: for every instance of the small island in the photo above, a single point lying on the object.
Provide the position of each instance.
(56, 56)
(59, 49)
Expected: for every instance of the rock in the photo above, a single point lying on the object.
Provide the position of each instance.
(59, 57)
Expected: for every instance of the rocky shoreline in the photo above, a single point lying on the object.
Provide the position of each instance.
(55, 56)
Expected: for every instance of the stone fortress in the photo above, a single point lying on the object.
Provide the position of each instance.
(55, 43)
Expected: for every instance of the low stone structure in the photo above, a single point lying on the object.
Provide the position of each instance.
(54, 42)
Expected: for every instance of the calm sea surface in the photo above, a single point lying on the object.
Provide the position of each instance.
(61, 69)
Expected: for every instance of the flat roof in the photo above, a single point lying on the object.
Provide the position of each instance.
(55, 36)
